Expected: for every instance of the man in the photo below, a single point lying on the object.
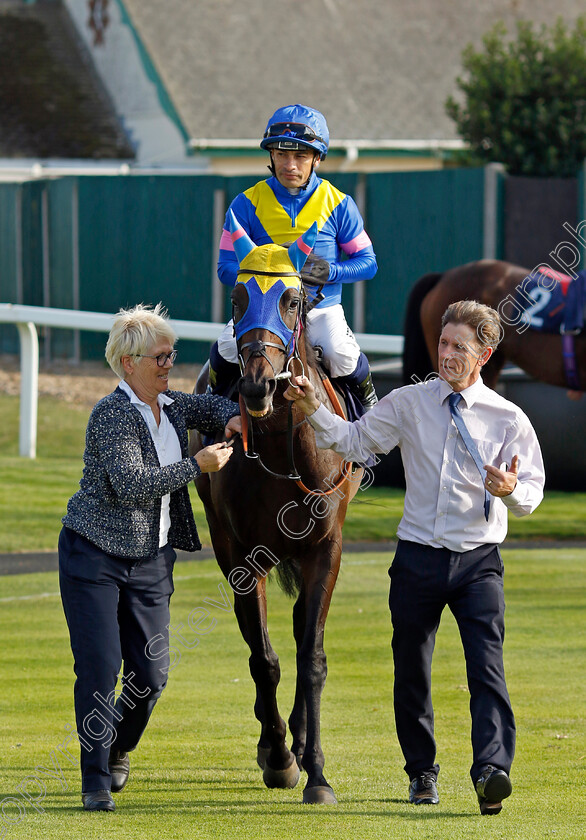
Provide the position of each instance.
(282, 208)
(453, 522)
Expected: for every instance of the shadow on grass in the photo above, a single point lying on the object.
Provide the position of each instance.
(355, 807)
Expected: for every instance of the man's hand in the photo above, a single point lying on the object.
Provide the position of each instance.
(302, 393)
(499, 482)
(233, 427)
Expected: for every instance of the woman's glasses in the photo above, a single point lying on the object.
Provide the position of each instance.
(162, 358)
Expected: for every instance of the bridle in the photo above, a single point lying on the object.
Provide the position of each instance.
(257, 349)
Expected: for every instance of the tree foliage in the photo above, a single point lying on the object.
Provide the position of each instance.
(524, 100)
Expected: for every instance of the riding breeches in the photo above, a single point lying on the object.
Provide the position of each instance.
(325, 327)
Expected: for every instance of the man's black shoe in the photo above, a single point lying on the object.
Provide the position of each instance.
(423, 789)
(98, 800)
(119, 767)
(492, 786)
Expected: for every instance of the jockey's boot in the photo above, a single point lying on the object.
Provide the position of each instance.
(361, 384)
(222, 375)
(365, 392)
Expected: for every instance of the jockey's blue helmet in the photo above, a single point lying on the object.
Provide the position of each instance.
(295, 127)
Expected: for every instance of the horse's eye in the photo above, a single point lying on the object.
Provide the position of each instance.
(294, 303)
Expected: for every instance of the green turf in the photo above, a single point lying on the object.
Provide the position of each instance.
(30, 519)
(194, 774)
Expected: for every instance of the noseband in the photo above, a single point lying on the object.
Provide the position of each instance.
(258, 348)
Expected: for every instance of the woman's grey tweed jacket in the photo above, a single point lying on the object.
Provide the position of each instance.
(118, 505)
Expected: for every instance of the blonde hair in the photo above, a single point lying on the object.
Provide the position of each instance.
(484, 320)
(135, 331)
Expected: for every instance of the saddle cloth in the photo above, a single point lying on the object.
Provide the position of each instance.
(553, 302)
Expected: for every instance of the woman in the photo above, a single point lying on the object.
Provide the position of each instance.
(116, 549)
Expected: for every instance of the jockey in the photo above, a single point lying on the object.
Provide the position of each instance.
(282, 208)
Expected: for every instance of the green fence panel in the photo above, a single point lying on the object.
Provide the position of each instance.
(60, 260)
(32, 243)
(28, 196)
(8, 260)
(147, 239)
(419, 222)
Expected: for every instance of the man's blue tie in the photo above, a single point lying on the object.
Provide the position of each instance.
(454, 399)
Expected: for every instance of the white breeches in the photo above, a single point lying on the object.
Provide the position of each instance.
(326, 327)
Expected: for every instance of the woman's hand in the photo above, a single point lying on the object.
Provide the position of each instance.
(302, 393)
(213, 458)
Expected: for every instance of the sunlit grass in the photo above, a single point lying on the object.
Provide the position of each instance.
(194, 774)
(34, 493)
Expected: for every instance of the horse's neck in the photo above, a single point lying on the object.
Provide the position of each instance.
(316, 378)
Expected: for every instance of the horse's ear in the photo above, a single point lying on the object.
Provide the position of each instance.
(241, 241)
(301, 249)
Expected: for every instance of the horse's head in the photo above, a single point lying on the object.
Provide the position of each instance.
(267, 305)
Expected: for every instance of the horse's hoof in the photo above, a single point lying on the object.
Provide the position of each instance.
(262, 753)
(319, 795)
(286, 778)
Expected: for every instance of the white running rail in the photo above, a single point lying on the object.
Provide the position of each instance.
(27, 318)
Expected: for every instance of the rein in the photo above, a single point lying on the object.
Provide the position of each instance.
(258, 348)
(293, 475)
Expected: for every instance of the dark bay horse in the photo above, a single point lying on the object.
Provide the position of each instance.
(494, 283)
(260, 517)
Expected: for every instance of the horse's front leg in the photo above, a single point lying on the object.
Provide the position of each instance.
(298, 716)
(319, 579)
(280, 768)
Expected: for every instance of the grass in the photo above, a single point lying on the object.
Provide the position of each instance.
(194, 774)
(31, 519)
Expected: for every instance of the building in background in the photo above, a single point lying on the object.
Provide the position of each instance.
(193, 83)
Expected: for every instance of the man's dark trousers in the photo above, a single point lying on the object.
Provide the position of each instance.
(423, 581)
(116, 609)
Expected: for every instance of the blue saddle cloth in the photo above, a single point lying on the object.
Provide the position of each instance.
(553, 302)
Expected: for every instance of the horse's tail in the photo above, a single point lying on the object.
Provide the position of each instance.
(416, 361)
(289, 577)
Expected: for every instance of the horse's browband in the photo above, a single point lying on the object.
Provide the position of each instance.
(271, 273)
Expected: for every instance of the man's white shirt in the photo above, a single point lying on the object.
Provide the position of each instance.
(444, 499)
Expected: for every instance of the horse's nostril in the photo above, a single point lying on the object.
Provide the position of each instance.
(256, 390)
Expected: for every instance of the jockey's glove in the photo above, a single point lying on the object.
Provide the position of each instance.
(315, 271)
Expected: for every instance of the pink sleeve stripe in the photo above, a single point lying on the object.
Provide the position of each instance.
(304, 247)
(357, 244)
(226, 241)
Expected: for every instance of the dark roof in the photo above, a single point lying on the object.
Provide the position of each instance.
(378, 69)
(52, 103)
